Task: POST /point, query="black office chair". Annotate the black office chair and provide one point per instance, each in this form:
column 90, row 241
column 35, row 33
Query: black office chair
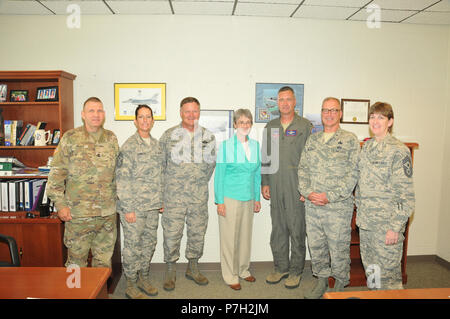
column 15, row 260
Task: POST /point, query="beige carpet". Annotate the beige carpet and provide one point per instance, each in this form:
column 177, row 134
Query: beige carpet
column 423, row 272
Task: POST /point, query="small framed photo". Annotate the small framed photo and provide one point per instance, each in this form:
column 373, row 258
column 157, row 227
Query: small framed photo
column 18, row 96
column 49, row 93
column 3, row 92
column 56, row 136
column 355, row 111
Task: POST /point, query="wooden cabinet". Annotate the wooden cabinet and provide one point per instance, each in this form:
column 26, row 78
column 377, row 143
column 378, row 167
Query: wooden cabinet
column 357, row 273
column 39, row 240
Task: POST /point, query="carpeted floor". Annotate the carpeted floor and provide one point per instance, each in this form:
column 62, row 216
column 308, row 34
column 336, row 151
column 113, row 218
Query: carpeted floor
column 422, row 273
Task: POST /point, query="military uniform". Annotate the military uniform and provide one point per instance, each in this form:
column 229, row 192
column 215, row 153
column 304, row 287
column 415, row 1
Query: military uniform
column 139, row 190
column 188, row 165
column 286, row 209
column 82, row 178
column 330, row 167
column 385, row 201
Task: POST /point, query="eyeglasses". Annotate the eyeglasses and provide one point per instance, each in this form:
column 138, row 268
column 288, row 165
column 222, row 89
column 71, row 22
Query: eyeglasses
column 244, row 123
column 332, row 111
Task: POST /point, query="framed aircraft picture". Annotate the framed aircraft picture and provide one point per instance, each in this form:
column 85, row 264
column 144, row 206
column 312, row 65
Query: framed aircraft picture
column 266, row 105
column 127, row 96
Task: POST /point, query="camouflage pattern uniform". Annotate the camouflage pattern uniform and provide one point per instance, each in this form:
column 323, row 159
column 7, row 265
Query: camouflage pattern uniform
column 330, row 168
column 288, row 236
column 139, row 190
column 188, row 166
column 82, row 178
column 385, row 201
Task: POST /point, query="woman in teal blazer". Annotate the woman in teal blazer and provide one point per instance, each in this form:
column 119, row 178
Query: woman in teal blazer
column 237, row 185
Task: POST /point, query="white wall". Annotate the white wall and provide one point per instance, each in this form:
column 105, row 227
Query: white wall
column 219, row 59
column 443, row 249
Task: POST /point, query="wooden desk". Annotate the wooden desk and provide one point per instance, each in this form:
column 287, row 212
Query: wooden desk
column 51, row 282
column 430, row 293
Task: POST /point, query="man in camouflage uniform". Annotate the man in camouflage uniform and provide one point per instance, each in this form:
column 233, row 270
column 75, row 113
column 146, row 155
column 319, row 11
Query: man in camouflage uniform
column 139, row 183
column 189, row 161
column 385, row 200
column 285, row 136
column 81, row 183
column 327, row 176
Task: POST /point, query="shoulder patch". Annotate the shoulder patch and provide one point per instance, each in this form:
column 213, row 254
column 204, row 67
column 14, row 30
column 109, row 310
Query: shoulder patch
column 407, row 166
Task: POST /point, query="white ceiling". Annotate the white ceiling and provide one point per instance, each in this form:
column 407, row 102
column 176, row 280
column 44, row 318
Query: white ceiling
column 392, row 11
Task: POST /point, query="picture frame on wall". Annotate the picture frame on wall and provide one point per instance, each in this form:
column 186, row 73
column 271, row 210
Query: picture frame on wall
column 18, row 96
column 219, row 122
column 266, row 96
column 47, row 94
column 127, row 96
column 355, row 111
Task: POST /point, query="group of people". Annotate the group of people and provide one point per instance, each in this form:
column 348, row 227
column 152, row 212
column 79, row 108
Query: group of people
column 308, row 178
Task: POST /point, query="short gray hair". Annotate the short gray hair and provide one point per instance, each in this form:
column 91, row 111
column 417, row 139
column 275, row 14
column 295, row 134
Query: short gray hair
column 242, row 112
column 330, row 98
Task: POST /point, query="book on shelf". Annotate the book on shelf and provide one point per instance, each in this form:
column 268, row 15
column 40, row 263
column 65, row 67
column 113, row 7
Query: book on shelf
column 28, row 136
column 23, row 195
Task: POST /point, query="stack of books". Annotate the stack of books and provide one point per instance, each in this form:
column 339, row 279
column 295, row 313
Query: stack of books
column 7, row 165
column 23, row 194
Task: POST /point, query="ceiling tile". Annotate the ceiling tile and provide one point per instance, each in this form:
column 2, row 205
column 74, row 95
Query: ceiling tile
column 425, row 17
column 293, row 2
column 202, row 7
column 86, row 7
column 404, row 4
column 337, row 3
column 22, row 7
column 443, row 6
column 385, row 15
column 264, row 9
column 340, row 13
column 140, row 7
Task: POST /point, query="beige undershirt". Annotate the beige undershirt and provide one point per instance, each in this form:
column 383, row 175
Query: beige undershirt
column 327, row 136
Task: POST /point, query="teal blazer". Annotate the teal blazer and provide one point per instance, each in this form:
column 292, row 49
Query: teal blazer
column 237, row 177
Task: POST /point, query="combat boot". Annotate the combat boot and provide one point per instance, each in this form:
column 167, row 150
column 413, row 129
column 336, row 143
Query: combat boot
column 133, row 291
column 170, row 277
column 194, row 274
column 293, row 281
column 144, row 284
column 275, row 277
column 319, row 289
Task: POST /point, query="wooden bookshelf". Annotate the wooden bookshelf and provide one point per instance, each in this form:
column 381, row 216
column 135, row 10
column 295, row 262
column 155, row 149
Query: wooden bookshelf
column 39, row 240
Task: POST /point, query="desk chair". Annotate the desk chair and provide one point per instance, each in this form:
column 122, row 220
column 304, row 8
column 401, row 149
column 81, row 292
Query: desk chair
column 12, row 250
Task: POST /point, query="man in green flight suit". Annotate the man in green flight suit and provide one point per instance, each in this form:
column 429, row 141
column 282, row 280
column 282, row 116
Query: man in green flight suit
column 283, row 142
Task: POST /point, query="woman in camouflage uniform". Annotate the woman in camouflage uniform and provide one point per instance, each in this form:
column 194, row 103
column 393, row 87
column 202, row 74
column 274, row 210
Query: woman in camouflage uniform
column 385, row 200
column 139, row 182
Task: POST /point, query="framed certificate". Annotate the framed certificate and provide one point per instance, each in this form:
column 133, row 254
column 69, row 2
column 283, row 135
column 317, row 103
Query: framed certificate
column 355, row 111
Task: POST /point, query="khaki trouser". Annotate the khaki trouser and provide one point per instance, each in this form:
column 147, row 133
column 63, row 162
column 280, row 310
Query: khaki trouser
column 97, row 234
column 236, row 239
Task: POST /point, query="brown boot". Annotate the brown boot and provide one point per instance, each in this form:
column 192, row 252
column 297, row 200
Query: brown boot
column 133, row 291
column 194, row 274
column 170, row 277
column 144, row 284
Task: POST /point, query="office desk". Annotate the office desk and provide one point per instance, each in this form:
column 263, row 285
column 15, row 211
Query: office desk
column 52, row 282
column 430, row 293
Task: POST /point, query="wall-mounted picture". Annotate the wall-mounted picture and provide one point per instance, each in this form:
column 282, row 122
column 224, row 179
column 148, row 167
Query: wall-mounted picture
column 355, row 111
column 266, row 106
column 219, row 122
column 3, row 92
column 127, row 96
column 49, row 93
column 56, row 136
column 18, row 96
